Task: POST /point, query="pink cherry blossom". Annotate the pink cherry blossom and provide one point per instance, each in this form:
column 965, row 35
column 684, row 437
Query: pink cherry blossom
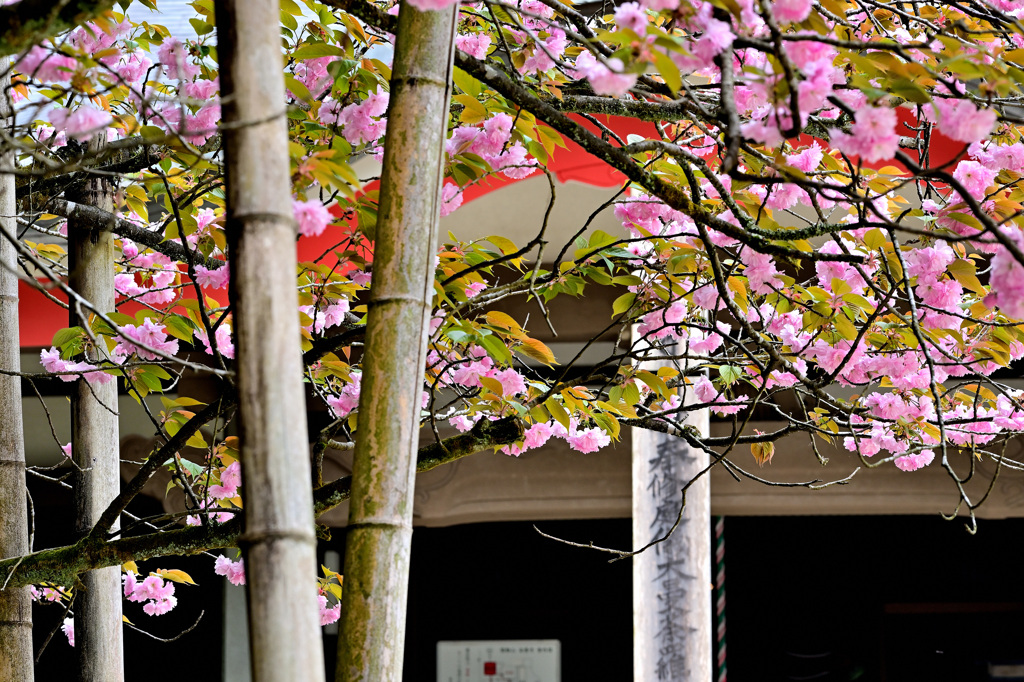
column 462, row 423
column 214, row 279
column 872, row 136
column 762, row 275
column 451, row 198
column 134, row 69
column 328, row 615
column 929, row 261
column 1007, row 282
column 658, row 5
column 806, row 52
column 513, row 162
column 202, row 89
column 348, row 400
column 222, row 335
column 512, row 382
column 230, row 479
column 717, row 36
column 215, row 517
column 68, row 627
column 915, row 461
column 475, row 45
column 194, row 128
column 314, row 75
column 961, row 120
column 91, row 38
column 537, row 435
column 473, row 289
column 606, row 80
column 44, row 65
column 975, row 178
column 234, row 571
column 588, row 440
column 630, row 15
column 157, row 594
column 52, row 362
column 791, row 10
column 176, row 61
column 82, row 123
column 706, row 392
column 361, row 121
column 312, row 217
column 151, row 333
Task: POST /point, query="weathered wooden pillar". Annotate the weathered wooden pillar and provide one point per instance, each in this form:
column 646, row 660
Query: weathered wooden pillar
column 15, row 603
column 379, row 536
column 672, row 580
column 95, row 442
column 279, row 540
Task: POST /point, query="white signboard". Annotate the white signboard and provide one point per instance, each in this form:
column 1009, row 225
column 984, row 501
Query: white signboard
column 513, row 660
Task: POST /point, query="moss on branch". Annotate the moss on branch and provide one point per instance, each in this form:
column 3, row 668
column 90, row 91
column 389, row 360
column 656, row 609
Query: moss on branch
column 61, row 565
column 31, row 21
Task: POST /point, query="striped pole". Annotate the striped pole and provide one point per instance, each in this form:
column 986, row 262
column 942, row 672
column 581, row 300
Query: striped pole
column 720, row 667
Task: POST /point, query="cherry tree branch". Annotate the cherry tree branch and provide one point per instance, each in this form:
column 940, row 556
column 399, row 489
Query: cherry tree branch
column 61, row 565
column 28, row 22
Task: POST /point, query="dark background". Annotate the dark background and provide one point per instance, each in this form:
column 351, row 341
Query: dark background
column 817, row 598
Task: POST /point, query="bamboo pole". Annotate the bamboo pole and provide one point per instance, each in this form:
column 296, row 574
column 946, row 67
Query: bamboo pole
column 279, row 542
column 15, row 603
column 95, row 443
column 379, row 534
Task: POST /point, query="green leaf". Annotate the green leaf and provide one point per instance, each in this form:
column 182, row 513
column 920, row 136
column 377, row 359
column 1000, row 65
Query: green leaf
column 467, row 83
column 729, row 374
column 497, row 349
column 179, row 327
column 623, row 303
column 197, row 441
column 845, row 327
column 66, row 335
column 298, row 89
column 315, row 51
column 558, row 412
column 191, row 467
column 963, row 271
column 200, row 26
column 609, row 423
column 668, row 70
column 655, row 383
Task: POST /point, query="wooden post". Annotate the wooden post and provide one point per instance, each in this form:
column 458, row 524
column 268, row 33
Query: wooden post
column 379, row 536
column 95, row 442
column 16, row 664
column 279, row 541
column 672, row 580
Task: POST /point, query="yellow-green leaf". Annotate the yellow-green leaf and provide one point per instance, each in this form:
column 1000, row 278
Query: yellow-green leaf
column 558, row 412
column 532, row 348
column 175, row 575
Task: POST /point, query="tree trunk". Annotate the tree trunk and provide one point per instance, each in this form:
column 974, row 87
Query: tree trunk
column 279, row 542
column 15, row 603
column 95, row 444
column 379, row 535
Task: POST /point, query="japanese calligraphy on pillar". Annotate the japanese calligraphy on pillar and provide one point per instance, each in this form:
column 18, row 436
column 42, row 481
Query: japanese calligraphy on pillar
column 672, row 580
